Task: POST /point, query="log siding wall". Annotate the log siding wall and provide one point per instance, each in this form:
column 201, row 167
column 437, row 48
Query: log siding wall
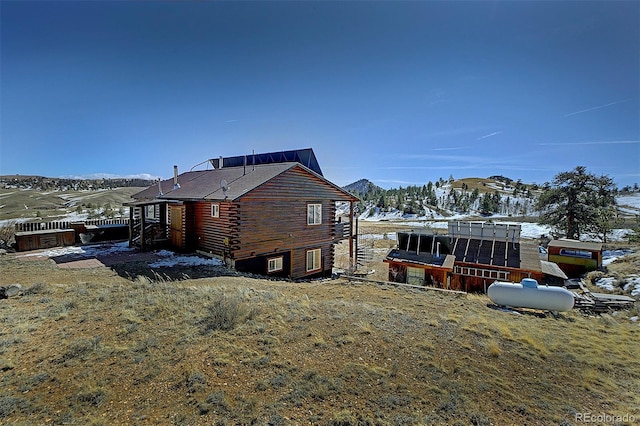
column 211, row 232
column 273, row 219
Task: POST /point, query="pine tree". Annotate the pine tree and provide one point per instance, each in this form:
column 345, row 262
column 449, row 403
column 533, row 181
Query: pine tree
column 576, row 201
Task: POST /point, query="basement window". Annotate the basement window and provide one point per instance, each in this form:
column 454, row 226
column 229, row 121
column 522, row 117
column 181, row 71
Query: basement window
column 314, row 260
column 275, row 264
column 215, row 210
column 314, row 214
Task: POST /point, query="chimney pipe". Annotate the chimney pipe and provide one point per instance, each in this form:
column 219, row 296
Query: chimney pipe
column 160, row 187
column 176, row 185
column 221, row 161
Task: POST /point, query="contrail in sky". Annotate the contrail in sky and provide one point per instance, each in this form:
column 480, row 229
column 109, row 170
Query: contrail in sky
column 488, row 136
column 597, row 107
column 589, row 143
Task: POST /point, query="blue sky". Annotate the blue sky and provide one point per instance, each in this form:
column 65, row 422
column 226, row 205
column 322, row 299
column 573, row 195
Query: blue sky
column 397, row 92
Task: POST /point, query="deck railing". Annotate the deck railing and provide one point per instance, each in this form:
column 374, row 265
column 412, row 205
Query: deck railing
column 41, row 226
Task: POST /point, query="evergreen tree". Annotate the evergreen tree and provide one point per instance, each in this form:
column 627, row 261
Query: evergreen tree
column 574, row 202
column 486, row 204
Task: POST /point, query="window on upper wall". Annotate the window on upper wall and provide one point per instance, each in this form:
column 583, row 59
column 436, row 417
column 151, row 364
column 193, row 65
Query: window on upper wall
column 275, row 264
column 314, row 260
column 314, row 214
column 215, row 210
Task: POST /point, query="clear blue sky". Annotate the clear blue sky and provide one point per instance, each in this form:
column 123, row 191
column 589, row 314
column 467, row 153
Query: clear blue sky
column 397, row 92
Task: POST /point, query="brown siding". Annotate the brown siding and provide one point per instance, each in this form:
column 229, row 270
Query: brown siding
column 480, row 284
column 434, row 276
column 44, row 239
column 211, row 232
column 273, row 218
column 299, row 261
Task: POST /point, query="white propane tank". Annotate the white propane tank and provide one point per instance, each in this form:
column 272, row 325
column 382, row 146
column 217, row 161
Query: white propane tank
column 528, row 294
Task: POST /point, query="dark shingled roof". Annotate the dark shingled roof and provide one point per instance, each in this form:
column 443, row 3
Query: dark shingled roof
column 207, row 184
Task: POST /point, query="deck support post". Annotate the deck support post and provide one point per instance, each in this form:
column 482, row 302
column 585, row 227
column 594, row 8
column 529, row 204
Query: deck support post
column 351, row 216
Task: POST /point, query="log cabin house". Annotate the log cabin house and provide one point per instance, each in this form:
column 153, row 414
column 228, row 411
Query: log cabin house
column 271, row 214
column 470, row 258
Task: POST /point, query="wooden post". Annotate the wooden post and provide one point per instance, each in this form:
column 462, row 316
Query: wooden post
column 163, row 219
column 351, row 215
column 356, row 262
column 143, row 215
column 131, row 208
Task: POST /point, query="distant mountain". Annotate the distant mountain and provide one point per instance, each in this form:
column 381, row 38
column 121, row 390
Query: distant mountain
column 362, row 187
column 72, row 183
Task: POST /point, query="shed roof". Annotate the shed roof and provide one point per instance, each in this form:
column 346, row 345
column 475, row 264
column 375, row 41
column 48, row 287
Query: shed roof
column 575, row 244
column 227, row 183
column 550, row 268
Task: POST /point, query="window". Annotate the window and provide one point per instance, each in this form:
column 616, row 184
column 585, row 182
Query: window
column 275, row 264
column 415, row 276
column 313, row 260
column 215, row 210
column 314, row 214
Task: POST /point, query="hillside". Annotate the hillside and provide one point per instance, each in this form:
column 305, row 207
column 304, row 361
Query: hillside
column 454, row 199
column 50, row 205
column 108, row 346
column 66, row 184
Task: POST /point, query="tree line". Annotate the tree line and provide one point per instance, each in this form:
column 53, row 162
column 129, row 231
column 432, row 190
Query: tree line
column 574, row 203
column 512, row 198
column 67, row 184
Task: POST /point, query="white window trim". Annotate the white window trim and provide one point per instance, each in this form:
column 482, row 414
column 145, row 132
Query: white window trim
column 278, row 263
column 314, row 214
column 215, row 210
column 313, row 267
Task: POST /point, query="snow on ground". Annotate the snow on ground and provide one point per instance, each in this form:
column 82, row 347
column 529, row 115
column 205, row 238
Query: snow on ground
column 606, row 283
column 631, row 282
column 629, row 200
column 633, row 285
column 609, row 256
column 171, row 259
column 84, row 251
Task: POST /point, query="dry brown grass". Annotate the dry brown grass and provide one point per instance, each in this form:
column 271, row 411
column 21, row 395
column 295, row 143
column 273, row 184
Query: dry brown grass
column 91, row 347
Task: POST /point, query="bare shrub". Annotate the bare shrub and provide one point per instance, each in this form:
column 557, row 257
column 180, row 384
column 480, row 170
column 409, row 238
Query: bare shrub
column 37, row 288
column 7, row 233
column 91, row 396
column 10, row 404
column 225, row 313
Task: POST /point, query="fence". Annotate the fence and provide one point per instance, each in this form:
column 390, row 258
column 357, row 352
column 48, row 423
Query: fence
column 42, row 226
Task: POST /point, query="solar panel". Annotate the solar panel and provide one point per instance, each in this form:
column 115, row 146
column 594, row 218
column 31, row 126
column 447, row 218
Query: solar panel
column 306, row 157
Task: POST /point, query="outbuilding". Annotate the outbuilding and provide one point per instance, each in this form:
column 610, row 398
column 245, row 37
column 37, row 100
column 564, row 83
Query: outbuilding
column 470, row 258
column 575, row 257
